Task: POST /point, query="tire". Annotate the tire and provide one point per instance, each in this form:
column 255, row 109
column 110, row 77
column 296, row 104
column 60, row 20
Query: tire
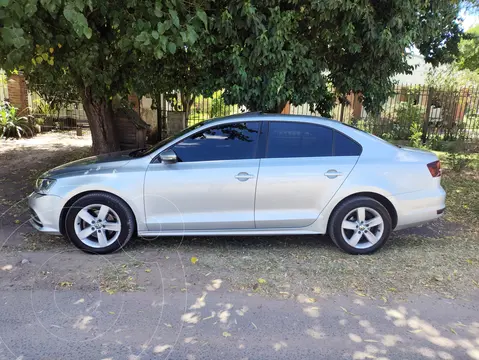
column 345, row 226
column 112, row 223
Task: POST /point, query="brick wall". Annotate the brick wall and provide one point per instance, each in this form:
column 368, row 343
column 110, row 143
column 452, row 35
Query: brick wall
column 17, row 92
column 135, row 102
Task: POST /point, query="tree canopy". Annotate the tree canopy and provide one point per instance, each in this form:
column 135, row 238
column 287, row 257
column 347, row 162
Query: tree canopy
column 469, row 50
column 262, row 53
column 271, row 52
column 94, row 46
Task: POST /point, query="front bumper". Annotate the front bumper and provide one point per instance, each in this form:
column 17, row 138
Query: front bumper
column 45, row 212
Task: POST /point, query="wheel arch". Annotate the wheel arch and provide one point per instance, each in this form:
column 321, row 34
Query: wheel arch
column 74, row 198
column 379, row 198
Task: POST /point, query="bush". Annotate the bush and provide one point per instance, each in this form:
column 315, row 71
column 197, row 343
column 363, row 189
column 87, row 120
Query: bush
column 12, row 125
column 458, row 162
column 219, row 108
column 435, row 142
column 409, row 119
column 415, row 139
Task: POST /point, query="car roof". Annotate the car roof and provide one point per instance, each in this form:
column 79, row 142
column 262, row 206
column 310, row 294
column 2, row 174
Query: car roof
column 260, row 116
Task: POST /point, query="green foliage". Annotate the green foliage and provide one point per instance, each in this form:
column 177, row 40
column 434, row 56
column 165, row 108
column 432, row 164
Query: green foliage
column 11, row 124
column 435, row 142
column 402, row 121
column 271, row 52
column 94, row 43
column 451, row 77
column 458, row 162
column 415, row 135
column 409, row 119
column 42, row 107
column 218, row 107
column 263, row 53
column 95, row 49
column 469, row 50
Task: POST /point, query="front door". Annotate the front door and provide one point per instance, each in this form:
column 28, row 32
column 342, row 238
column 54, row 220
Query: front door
column 304, row 165
column 211, row 187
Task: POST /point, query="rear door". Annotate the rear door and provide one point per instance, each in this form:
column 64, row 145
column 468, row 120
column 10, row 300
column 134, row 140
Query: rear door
column 304, row 165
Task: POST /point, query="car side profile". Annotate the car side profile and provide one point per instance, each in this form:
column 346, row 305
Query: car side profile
column 250, row 174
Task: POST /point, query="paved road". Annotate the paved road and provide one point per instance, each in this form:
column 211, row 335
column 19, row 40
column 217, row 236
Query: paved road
column 212, row 323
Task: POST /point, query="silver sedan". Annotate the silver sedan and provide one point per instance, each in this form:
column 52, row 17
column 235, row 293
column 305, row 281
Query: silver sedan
column 252, row 174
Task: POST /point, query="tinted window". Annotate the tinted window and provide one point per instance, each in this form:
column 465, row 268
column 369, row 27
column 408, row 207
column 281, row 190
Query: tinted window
column 292, row 139
column 344, row 146
column 222, row 142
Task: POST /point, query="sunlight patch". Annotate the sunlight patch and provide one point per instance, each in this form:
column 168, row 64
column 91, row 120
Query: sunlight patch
column 279, row 345
column 315, row 334
column 355, row 338
column 200, row 302
column 158, row 349
column 215, row 285
column 190, row 318
column 82, row 322
column 242, row 311
column 311, row 311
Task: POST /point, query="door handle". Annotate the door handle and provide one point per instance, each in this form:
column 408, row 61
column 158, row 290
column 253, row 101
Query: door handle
column 244, row 176
column 332, row 173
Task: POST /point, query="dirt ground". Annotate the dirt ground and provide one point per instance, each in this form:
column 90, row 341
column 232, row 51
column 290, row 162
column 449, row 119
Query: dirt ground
column 442, row 257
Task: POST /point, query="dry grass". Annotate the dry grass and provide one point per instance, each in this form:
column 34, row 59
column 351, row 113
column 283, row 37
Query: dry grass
column 121, row 278
column 441, row 257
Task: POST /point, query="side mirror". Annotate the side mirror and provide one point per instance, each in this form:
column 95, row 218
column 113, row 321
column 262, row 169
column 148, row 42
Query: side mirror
column 168, row 156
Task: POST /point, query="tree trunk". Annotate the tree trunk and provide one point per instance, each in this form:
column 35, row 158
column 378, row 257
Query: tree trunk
column 100, row 118
column 187, row 101
column 280, row 107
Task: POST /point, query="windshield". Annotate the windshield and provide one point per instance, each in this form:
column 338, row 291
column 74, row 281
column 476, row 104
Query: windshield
column 144, row 152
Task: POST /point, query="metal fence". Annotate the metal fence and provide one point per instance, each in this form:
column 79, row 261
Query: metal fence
column 68, row 117
column 437, row 113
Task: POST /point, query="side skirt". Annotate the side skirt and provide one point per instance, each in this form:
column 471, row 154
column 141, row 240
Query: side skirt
column 228, row 232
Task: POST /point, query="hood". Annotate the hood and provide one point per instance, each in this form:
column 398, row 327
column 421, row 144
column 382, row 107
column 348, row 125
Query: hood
column 92, row 164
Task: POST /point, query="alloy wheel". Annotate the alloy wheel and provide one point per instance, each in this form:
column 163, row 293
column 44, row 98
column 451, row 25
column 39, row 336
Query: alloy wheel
column 362, row 227
column 97, row 226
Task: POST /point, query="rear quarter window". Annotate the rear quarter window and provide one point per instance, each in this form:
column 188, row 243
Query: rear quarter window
column 345, row 146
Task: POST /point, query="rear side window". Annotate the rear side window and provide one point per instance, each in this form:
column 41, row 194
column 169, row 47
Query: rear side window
column 344, row 146
column 223, row 142
column 292, row 139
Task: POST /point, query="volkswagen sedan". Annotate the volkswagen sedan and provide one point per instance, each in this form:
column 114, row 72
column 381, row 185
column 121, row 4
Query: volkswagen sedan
column 251, row 174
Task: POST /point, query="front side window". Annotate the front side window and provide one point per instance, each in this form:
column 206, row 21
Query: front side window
column 293, row 139
column 223, row 142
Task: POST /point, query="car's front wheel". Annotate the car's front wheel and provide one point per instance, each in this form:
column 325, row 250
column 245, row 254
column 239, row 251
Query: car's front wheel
column 99, row 223
column 360, row 225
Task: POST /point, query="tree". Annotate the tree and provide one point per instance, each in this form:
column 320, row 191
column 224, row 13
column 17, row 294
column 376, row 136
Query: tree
column 184, row 74
column 450, row 77
column 270, row 52
column 469, row 51
column 94, row 47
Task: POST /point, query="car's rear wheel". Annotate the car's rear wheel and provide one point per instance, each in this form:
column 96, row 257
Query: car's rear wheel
column 99, row 223
column 360, row 225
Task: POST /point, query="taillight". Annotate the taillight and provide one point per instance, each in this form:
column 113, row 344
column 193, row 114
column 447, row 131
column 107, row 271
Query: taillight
column 435, row 168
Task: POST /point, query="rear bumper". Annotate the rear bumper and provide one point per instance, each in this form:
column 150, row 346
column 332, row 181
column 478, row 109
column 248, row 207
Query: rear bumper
column 419, row 207
column 45, row 212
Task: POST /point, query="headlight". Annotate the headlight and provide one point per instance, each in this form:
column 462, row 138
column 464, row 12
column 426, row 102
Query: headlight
column 42, row 185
